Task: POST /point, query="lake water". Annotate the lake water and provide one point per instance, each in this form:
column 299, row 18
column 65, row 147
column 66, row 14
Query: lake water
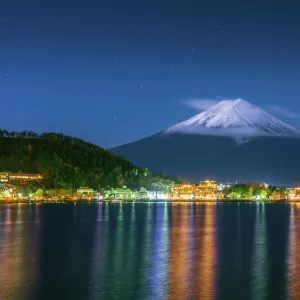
column 150, row 251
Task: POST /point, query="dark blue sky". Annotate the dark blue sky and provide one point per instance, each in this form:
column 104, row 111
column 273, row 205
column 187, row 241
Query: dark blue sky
column 112, row 72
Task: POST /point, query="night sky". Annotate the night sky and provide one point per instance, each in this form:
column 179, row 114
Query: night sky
column 111, row 72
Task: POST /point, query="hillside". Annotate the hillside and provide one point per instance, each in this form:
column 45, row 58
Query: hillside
column 68, row 162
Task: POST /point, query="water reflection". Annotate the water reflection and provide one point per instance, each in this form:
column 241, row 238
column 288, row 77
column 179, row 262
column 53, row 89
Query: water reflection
column 96, row 269
column 150, row 251
column 204, row 259
column 19, row 252
column 179, row 246
column 259, row 280
column 293, row 253
column 160, row 255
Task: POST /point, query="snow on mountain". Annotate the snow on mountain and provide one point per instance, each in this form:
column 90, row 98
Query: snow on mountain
column 235, row 118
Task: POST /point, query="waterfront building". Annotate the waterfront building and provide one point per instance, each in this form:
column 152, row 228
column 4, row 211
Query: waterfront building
column 8, row 177
column 83, row 192
column 141, row 194
column 157, row 195
column 183, row 191
column 207, row 190
column 122, row 193
column 6, row 191
column 294, row 193
column 98, row 196
column 277, row 195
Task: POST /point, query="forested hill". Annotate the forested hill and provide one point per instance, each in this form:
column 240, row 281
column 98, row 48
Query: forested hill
column 68, row 162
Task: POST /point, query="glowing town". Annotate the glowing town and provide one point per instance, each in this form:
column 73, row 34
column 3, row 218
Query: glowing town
column 14, row 187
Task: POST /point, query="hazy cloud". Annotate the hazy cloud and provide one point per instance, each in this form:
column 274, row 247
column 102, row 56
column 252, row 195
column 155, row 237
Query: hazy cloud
column 284, row 111
column 200, row 104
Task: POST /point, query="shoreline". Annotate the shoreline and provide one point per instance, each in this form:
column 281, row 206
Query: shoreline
column 66, row 201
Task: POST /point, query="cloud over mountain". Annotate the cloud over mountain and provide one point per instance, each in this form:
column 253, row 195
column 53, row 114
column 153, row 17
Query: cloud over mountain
column 284, row 111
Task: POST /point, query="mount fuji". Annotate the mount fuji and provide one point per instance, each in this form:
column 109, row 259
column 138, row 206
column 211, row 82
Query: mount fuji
column 232, row 140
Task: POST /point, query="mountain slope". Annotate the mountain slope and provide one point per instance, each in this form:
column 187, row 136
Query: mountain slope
column 270, row 153
column 68, row 162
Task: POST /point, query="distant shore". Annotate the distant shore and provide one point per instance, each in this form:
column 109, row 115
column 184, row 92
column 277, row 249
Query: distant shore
column 145, row 201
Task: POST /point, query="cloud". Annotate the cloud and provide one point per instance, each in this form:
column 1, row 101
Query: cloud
column 200, row 104
column 284, row 111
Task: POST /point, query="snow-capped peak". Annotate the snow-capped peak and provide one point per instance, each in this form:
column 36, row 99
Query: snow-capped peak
column 237, row 119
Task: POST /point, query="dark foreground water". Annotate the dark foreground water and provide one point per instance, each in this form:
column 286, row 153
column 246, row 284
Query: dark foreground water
column 150, row 251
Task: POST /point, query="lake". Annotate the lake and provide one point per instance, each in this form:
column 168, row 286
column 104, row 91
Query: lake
column 150, row 251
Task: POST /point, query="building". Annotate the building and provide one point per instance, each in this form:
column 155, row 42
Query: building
column 183, row 191
column 141, row 194
column 8, row 177
column 98, row 196
column 122, row 193
column 294, row 193
column 3, row 177
column 221, row 187
column 207, row 190
column 277, row 195
column 85, row 192
column 158, row 195
column 6, row 191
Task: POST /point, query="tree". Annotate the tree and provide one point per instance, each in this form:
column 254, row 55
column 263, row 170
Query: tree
column 263, row 194
column 39, row 193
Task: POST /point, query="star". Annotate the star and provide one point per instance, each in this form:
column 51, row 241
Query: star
column 142, row 85
column 115, row 118
column 2, row 19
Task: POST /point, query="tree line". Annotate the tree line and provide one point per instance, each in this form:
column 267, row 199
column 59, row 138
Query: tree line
column 68, row 162
column 254, row 191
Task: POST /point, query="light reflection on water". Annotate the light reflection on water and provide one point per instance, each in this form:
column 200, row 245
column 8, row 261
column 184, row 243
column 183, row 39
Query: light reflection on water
column 293, row 257
column 259, row 275
column 150, row 251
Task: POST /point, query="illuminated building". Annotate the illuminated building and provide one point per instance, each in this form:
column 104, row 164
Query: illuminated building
column 207, row 190
column 142, row 194
column 158, row 195
column 264, row 185
column 85, row 191
column 98, row 196
column 276, row 196
column 183, row 191
column 294, row 193
column 118, row 193
column 4, row 177
column 221, row 186
column 6, row 191
column 7, row 177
